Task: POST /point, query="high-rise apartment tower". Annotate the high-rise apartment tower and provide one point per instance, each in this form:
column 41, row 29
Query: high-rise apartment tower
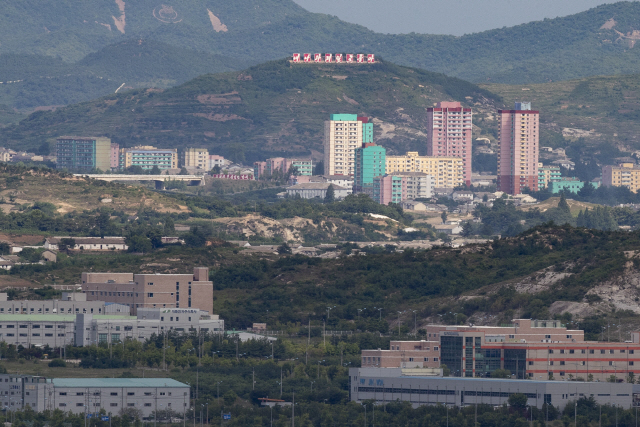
column 519, row 149
column 449, row 128
column 343, row 133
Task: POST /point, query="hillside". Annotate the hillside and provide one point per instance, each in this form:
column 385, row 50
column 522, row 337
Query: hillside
column 599, row 41
column 274, row 108
column 595, row 116
column 42, row 81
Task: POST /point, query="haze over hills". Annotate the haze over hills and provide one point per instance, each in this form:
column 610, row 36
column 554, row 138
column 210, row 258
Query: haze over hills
column 270, row 109
column 599, row 41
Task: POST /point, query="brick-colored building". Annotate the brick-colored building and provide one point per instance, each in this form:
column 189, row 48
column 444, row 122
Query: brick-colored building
column 537, row 349
column 449, row 133
column 151, row 290
column 389, row 189
column 519, row 149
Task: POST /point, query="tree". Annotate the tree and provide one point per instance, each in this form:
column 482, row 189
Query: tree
column 135, row 170
column 330, row 196
column 155, row 170
column 518, row 401
column 467, row 229
column 216, row 170
column 230, row 397
column 140, row 244
column 284, row 249
column 501, row 373
column 183, row 171
column 66, row 244
column 169, row 226
column 444, row 217
column 318, row 169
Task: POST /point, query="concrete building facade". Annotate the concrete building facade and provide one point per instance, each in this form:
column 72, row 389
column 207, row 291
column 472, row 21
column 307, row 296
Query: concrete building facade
column 572, row 185
column 535, row 349
column 419, row 185
column 389, row 385
column 447, row 172
column 389, row 189
column 547, row 174
column 151, row 290
column 519, row 149
column 88, row 243
column 622, row 175
column 316, row 190
column 269, row 166
column 343, row 134
column 147, row 157
column 197, row 158
column 370, row 162
column 114, row 155
column 83, row 153
column 449, row 133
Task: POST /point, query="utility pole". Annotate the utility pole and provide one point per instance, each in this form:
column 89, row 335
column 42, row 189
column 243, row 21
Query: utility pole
column 293, row 411
column 253, row 378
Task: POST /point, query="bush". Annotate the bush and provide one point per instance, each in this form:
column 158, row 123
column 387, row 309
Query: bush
column 57, row 363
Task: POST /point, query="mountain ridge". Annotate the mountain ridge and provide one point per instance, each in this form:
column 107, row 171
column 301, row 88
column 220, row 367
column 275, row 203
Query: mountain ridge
column 601, row 40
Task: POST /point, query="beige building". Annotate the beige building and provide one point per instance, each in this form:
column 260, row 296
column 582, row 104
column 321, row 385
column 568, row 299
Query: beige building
column 147, row 157
column 623, row 175
column 151, row 290
column 446, row 171
column 197, row 158
column 342, row 135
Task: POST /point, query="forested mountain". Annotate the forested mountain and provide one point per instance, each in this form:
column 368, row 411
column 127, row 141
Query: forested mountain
column 31, row 81
column 271, row 109
column 599, row 41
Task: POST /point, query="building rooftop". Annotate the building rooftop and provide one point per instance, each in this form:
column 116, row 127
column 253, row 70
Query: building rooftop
column 315, row 186
column 116, row 382
column 87, row 240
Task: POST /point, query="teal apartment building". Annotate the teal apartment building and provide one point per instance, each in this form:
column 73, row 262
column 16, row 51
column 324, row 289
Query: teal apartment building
column 370, row 162
column 83, row 153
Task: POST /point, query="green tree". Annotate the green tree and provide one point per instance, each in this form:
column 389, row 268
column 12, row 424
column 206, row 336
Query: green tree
column 140, row 244
column 467, row 229
column 284, row 249
column 518, row 401
column 66, row 244
column 155, row 170
column 444, row 217
column 330, row 196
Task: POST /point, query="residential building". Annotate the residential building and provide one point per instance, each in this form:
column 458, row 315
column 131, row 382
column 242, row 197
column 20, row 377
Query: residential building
column 536, row 349
column 622, row 175
column 269, row 167
column 197, row 158
column 450, row 229
column 548, row 174
column 343, row 134
column 419, row 185
column 343, row 181
column 114, row 155
column 447, row 172
column 215, row 160
column 389, row 189
column 426, row 387
column 571, row 185
column 147, row 157
column 317, row 190
column 519, row 149
column 462, row 196
column 370, row 162
column 83, row 153
column 151, row 290
column 89, row 243
column 449, row 133
column 411, row 205
column 6, row 155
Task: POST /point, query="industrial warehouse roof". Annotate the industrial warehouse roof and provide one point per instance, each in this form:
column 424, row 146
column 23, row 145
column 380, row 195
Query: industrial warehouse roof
column 116, row 382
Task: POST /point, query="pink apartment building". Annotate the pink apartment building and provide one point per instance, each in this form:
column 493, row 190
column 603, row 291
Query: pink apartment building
column 114, row 157
column 449, row 133
column 519, row 149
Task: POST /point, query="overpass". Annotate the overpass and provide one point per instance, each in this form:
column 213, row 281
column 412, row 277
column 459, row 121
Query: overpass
column 160, row 180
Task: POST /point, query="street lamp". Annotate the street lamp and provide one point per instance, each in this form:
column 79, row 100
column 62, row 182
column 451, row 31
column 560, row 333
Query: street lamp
column 415, row 322
column 218, row 390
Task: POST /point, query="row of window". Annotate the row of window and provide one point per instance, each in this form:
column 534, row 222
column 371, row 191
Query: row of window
column 592, row 351
column 26, row 326
column 26, row 335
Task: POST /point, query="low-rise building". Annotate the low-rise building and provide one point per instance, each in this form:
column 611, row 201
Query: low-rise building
column 147, row 157
column 462, row 196
column 316, row 190
column 283, row 165
column 113, row 243
column 419, row 185
column 548, row 174
column 424, row 387
column 571, row 185
column 412, row 205
column 450, row 229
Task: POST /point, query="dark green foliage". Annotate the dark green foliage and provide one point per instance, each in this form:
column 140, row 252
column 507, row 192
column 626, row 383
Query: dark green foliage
column 598, row 218
column 57, row 363
column 330, row 196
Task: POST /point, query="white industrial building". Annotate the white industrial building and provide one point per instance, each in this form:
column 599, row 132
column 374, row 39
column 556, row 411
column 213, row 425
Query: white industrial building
column 92, row 395
column 384, row 385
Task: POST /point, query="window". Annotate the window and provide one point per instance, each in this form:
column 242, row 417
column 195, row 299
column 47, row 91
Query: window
column 131, row 404
column 601, row 351
column 591, row 351
column 114, row 393
column 551, row 363
column 561, row 362
column 63, row 393
column 150, row 294
column 571, row 351
column 79, row 393
column 131, row 393
column 550, row 351
column 62, row 404
column 631, row 363
column 610, row 351
column 147, row 393
column 569, row 336
column 562, row 351
column 113, row 404
column 147, row 404
column 79, row 404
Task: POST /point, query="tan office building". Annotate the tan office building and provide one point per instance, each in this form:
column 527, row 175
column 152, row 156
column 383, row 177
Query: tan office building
column 623, row 175
column 197, row 158
column 151, row 290
column 446, row 171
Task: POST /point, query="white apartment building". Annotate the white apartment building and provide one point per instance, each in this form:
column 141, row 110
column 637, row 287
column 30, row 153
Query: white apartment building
column 342, row 135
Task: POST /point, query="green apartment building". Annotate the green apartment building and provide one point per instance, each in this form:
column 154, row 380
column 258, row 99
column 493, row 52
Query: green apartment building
column 572, row 185
column 370, row 162
column 83, row 153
